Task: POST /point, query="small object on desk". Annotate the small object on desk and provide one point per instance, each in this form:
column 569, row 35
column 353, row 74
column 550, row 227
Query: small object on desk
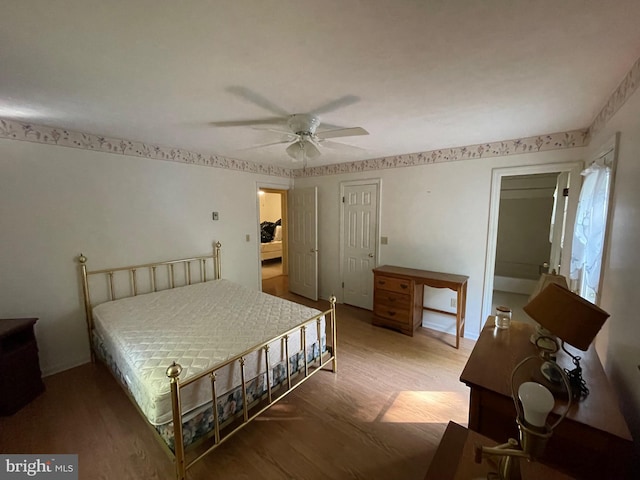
column 20, row 376
column 503, row 316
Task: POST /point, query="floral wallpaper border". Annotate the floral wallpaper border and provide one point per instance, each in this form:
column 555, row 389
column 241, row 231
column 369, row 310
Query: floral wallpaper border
column 540, row 143
column 15, row 130
column 627, row 87
column 68, row 138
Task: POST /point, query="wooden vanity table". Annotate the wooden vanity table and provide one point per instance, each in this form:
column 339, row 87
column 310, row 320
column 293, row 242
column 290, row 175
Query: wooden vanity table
column 398, row 297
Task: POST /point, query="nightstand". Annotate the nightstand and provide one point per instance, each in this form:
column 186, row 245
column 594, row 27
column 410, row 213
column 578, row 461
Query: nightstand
column 20, row 376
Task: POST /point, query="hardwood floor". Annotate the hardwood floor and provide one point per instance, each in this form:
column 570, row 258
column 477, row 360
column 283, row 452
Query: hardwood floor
column 380, row 417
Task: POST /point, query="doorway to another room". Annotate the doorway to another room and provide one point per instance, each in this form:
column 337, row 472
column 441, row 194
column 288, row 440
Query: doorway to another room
column 528, row 244
column 530, row 229
column 273, row 240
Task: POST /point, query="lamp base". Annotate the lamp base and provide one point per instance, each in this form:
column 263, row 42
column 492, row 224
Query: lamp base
column 551, row 373
column 579, row 390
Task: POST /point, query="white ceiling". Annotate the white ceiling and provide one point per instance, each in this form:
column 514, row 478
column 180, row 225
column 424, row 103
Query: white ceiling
column 425, row 74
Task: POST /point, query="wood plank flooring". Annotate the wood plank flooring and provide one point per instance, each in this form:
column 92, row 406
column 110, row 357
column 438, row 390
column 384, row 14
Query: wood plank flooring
column 380, row 417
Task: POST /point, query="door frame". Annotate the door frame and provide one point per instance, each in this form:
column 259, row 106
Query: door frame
column 283, row 190
column 349, row 183
column 575, row 181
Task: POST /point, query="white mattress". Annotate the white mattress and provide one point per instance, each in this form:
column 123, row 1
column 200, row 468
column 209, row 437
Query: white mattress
column 275, row 246
column 198, row 326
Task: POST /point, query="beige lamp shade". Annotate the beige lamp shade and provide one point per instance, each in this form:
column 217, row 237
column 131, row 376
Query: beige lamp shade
column 567, row 315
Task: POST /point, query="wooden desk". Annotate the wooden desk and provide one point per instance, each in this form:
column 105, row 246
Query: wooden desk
column 454, row 459
column 398, row 297
column 592, row 442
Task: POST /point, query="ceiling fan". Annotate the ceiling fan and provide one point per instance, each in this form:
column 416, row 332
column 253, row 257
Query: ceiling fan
column 303, row 136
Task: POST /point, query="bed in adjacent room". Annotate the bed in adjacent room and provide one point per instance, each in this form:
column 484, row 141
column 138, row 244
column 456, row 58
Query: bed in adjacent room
column 271, row 241
column 176, row 349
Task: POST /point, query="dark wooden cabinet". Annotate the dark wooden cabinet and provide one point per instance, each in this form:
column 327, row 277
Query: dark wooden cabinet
column 20, row 376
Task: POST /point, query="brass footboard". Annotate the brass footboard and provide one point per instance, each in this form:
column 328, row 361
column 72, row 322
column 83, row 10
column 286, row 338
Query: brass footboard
column 318, row 363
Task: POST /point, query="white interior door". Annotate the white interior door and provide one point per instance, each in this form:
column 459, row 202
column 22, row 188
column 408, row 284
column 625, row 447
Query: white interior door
column 303, row 242
column 359, row 243
column 558, row 224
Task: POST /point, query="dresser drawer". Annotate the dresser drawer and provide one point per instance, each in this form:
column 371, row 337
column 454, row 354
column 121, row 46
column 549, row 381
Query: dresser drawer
column 392, row 299
column 392, row 284
column 400, row 315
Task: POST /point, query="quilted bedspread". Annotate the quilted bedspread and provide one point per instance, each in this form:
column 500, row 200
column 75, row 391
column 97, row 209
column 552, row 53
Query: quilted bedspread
column 198, row 326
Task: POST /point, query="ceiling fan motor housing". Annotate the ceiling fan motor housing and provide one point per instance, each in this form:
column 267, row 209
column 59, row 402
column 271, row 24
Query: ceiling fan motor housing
column 303, row 124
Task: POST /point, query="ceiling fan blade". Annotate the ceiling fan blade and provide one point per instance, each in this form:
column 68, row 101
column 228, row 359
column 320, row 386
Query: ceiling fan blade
column 248, row 123
column 335, row 104
column 282, row 132
column 257, row 99
column 281, row 142
column 339, row 146
column 342, row 132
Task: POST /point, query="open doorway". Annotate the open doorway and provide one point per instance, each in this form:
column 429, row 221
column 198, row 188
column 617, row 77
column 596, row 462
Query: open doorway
column 530, row 241
column 273, row 239
column 519, row 249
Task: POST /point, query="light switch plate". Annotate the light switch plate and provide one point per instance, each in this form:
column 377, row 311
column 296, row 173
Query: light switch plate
column 214, row 215
column 384, row 240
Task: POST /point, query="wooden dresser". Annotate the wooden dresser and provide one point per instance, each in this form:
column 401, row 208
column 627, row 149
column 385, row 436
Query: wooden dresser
column 397, row 300
column 398, row 297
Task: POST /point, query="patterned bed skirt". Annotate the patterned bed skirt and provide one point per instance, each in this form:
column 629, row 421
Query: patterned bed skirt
column 229, row 404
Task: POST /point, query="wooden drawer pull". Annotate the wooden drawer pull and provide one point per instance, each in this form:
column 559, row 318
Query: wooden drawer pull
column 404, row 285
column 381, row 282
column 391, row 299
column 391, row 313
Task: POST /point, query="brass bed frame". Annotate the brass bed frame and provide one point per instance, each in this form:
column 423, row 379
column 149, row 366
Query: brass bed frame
column 249, row 412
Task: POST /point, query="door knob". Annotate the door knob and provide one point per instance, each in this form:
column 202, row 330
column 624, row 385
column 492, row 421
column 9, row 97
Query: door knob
column 314, row 250
column 371, row 255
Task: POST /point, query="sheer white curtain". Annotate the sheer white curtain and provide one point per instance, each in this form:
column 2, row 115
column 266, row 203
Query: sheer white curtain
column 589, row 231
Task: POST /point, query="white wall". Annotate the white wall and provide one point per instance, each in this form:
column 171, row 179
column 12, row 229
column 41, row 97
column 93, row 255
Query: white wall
column 523, row 236
column 270, row 207
column 56, row 202
column 435, row 217
column 619, row 342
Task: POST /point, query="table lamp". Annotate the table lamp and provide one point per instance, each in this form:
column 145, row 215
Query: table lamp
column 533, row 403
column 573, row 320
column 545, row 279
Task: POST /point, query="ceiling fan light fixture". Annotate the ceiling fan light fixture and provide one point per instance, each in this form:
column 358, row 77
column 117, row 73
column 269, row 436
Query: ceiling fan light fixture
column 303, row 150
column 296, row 151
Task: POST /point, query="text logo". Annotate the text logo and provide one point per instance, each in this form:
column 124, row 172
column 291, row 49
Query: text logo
column 50, row 467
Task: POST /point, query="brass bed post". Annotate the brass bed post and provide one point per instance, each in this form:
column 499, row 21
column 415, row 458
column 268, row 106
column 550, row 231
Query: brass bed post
column 216, row 415
column 216, row 258
column 303, row 331
column 87, row 303
column 173, row 372
column 334, row 326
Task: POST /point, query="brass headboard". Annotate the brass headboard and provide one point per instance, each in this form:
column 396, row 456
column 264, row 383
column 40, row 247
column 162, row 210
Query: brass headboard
column 151, row 269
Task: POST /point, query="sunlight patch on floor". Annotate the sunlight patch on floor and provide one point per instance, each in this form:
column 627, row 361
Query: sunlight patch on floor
column 427, row 407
